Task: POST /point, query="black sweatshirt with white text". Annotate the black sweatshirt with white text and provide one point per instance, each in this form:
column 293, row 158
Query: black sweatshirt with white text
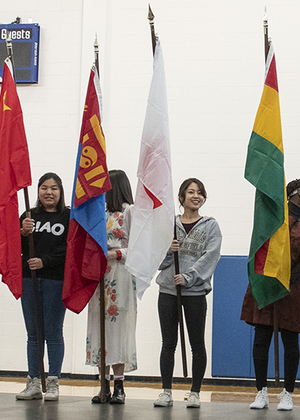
column 50, row 231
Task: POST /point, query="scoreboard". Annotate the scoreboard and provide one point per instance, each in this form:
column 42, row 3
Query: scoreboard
column 25, row 40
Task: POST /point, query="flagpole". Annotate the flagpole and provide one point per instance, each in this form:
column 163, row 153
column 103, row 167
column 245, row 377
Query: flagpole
column 266, row 36
column 101, row 286
column 31, row 252
column 275, row 305
column 96, row 52
column 180, row 318
column 35, row 297
column 176, row 260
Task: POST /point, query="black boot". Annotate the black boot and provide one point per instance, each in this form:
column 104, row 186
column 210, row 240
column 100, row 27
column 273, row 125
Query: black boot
column 119, row 394
column 97, row 398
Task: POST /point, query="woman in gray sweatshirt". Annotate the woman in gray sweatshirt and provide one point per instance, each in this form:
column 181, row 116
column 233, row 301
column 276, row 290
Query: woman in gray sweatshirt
column 198, row 246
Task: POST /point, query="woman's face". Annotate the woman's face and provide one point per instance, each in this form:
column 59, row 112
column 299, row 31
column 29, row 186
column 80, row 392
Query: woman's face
column 49, row 194
column 193, row 198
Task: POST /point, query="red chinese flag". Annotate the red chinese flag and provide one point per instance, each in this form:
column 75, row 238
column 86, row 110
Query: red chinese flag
column 14, row 174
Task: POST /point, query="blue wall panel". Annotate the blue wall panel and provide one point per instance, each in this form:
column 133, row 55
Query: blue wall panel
column 232, row 339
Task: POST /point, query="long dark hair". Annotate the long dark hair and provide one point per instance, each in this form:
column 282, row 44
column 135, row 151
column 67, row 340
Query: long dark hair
column 61, row 205
column 120, row 192
column 185, row 185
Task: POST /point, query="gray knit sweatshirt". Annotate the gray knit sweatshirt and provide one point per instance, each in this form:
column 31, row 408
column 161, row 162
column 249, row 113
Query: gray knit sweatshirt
column 199, row 253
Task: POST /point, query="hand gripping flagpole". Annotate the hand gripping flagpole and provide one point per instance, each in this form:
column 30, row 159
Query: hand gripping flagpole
column 40, row 344
column 102, row 299
column 275, row 304
column 176, row 260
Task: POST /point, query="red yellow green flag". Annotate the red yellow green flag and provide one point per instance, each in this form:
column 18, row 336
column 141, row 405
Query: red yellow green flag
column 269, row 262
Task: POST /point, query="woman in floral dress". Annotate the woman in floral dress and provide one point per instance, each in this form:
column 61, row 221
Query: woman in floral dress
column 120, row 296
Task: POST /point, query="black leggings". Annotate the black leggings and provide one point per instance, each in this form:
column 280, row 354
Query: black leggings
column 195, row 314
column 261, row 345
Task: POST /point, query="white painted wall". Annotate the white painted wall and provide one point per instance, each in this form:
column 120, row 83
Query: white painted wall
column 214, row 63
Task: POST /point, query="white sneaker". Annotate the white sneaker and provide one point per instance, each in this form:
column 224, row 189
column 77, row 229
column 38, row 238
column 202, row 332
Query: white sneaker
column 261, row 399
column 52, row 392
column 164, row 400
column 193, row 400
column 286, row 402
column 33, row 390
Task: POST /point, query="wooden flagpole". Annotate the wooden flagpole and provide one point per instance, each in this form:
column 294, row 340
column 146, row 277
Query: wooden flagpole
column 176, row 260
column 40, row 343
column 275, row 305
column 102, row 299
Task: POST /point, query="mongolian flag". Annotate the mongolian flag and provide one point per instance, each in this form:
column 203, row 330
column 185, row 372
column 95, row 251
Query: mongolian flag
column 87, row 238
column 269, row 262
column 14, row 174
column 152, row 226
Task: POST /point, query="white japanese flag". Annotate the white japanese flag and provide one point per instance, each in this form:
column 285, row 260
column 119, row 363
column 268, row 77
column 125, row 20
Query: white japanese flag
column 152, row 226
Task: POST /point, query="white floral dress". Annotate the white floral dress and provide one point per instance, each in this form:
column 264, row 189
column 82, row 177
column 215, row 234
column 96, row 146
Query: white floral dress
column 120, row 302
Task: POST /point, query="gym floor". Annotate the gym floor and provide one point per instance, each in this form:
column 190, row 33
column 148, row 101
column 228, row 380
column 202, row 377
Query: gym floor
column 217, row 402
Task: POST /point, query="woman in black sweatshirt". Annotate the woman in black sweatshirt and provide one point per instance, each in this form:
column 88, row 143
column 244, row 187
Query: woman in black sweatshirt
column 49, row 226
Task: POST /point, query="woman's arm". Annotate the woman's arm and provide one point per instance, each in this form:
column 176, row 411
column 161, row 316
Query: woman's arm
column 169, row 258
column 121, row 253
column 204, row 267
